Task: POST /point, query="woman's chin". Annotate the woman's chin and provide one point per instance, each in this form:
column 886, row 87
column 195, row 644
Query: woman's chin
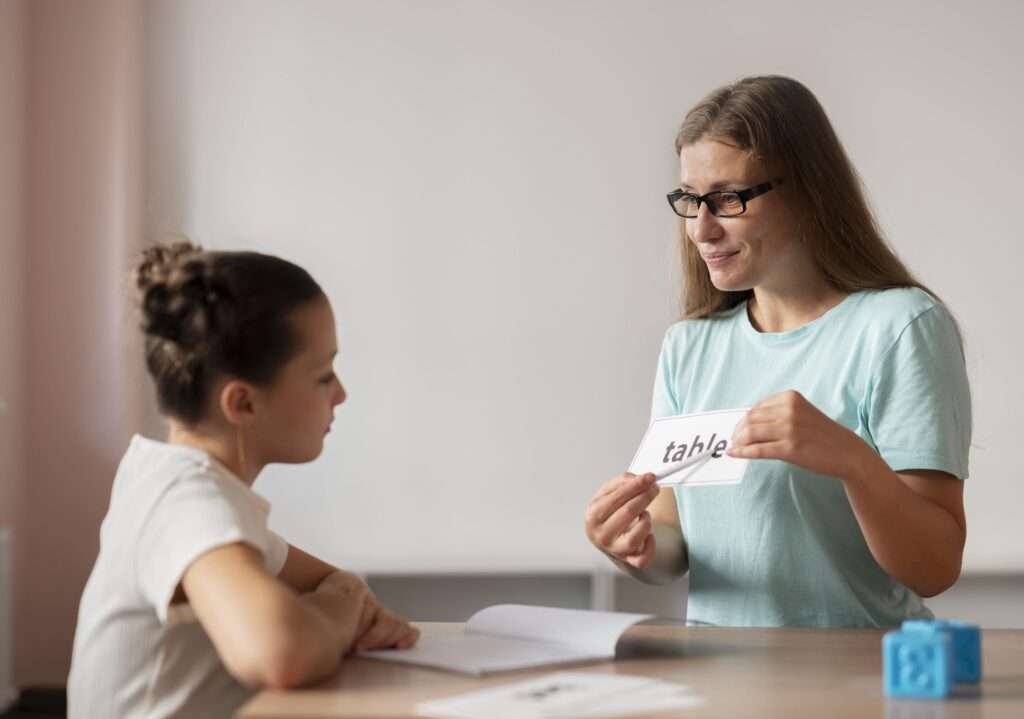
column 727, row 283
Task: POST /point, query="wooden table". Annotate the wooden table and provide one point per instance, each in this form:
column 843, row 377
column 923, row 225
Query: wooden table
column 830, row 673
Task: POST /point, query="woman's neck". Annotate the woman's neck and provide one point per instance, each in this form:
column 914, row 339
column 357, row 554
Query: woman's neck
column 792, row 308
column 224, row 446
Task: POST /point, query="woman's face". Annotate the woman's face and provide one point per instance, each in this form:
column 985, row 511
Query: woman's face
column 298, row 408
column 761, row 247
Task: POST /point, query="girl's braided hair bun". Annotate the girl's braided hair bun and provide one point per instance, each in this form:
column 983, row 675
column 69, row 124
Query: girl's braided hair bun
column 197, row 327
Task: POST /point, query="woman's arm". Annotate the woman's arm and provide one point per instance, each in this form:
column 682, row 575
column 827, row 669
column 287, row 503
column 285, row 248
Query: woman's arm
column 913, row 521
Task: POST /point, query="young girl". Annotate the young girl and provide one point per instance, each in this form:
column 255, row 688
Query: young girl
column 193, row 602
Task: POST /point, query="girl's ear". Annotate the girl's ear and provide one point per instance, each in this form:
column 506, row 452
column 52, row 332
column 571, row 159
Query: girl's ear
column 237, row 402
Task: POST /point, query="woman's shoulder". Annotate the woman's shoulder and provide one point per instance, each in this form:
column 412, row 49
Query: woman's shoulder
column 899, row 300
column 896, row 308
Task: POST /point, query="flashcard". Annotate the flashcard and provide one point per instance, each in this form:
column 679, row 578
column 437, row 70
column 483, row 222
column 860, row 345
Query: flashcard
column 678, row 443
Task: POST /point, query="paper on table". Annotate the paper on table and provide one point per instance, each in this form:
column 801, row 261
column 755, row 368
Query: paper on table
column 669, row 440
column 514, row 636
column 565, row 694
column 597, row 632
column 650, row 698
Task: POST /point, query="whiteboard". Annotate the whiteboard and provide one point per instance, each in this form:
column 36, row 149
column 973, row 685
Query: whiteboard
column 479, row 187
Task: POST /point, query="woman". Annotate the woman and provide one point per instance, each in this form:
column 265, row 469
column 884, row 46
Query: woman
column 860, row 418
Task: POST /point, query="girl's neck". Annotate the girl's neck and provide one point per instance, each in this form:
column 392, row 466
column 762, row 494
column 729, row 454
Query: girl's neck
column 224, row 446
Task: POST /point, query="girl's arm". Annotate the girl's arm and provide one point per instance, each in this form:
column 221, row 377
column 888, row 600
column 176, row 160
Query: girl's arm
column 264, row 632
column 302, row 571
column 379, row 627
column 913, row 521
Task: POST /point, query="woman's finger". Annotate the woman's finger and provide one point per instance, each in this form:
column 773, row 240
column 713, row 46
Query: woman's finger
column 632, row 540
column 760, row 432
column 624, row 517
column 778, row 449
column 641, row 560
column 604, row 506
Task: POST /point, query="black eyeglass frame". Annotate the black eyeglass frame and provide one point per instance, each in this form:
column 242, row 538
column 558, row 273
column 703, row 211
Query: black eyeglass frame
column 708, row 197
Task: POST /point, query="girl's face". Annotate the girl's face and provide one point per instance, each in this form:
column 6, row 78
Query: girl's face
column 295, row 412
column 761, row 247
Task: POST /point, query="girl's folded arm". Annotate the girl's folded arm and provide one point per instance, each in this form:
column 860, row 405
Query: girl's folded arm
column 302, row 571
column 265, row 633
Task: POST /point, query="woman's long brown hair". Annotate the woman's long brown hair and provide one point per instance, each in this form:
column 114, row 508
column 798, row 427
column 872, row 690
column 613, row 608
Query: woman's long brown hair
column 780, row 122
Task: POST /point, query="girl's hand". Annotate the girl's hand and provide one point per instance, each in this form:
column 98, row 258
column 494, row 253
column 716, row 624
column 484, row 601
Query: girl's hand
column 365, row 622
column 617, row 520
column 380, row 628
column 789, row 428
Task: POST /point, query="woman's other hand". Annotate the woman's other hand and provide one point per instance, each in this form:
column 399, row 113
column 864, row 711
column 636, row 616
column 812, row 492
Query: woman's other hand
column 617, row 520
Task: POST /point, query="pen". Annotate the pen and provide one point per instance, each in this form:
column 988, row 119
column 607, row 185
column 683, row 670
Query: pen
column 665, row 476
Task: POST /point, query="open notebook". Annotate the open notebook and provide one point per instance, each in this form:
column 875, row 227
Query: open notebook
column 516, row 636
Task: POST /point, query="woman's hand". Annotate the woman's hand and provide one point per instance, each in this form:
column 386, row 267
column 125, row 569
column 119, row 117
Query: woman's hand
column 788, row 427
column 617, row 520
column 912, row 520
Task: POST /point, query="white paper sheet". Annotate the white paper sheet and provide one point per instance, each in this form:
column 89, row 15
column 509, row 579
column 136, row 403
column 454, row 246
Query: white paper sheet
column 566, row 694
column 506, row 637
column 671, row 439
column 595, row 632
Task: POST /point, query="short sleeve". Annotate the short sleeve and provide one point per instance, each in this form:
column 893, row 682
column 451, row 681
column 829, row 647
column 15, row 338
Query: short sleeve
column 919, row 402
column 198, row 513
column 663, row 401
column 276, row 553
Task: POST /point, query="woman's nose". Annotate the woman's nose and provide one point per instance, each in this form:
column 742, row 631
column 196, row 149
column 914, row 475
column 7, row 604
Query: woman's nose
column 340, row 395
column 705, row 227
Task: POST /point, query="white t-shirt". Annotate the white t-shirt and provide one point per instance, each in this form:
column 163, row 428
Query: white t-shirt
column 134, row 654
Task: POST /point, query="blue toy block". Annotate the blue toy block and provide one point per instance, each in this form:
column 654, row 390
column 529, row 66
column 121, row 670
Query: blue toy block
column 918, row 663
column 966, row 640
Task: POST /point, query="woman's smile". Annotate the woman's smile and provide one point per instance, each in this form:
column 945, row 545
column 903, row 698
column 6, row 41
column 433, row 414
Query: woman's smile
column 718, row 258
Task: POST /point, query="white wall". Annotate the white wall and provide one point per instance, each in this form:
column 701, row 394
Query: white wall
column 480, row 188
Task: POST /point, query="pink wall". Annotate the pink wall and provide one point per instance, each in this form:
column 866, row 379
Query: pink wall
column 12, row 252
column 82, row 172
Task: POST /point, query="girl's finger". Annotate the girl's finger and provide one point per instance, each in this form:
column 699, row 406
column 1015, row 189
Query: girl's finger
column 381, row 628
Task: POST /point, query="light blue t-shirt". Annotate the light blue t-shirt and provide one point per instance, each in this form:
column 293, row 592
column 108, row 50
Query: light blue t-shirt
column 783, row 547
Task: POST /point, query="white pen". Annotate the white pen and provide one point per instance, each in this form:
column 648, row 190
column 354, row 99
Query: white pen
column 665, row 475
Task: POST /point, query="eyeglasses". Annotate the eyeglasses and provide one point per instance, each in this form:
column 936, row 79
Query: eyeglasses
column 721, row 203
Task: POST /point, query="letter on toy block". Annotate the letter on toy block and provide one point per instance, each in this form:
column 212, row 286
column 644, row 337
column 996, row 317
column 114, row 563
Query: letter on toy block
column 917, row 664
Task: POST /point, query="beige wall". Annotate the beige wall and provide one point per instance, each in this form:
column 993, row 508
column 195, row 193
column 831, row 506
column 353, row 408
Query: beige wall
column 81, row 190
